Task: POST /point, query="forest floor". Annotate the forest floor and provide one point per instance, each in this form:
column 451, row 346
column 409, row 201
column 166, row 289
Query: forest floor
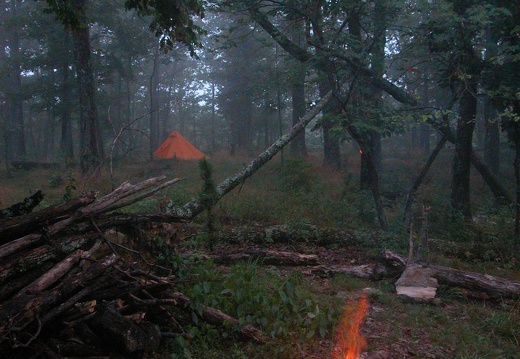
column 303, row 196
column 458, row 326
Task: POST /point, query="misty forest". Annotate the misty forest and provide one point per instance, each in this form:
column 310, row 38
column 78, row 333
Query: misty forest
column 260, row 179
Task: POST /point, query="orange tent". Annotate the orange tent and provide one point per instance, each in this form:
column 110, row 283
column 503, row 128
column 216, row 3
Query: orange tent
column 177, row 146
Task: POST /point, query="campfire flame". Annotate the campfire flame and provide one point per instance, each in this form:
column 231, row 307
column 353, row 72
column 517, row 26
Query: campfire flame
column 349, row 342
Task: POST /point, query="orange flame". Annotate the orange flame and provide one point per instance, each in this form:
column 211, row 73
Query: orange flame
column 349, row 342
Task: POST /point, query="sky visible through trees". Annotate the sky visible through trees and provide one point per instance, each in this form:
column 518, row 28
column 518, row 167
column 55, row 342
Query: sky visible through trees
column 82, row 81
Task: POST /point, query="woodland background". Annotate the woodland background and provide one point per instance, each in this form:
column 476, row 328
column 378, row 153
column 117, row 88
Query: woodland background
column 418, row 134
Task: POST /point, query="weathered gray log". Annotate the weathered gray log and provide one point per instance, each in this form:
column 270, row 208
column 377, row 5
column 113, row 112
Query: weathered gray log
column 495, row 287
column 193, row 208
column 85, row 206
column 267, row 257
column 374, row 271
column 30, row 259
column 122, row 196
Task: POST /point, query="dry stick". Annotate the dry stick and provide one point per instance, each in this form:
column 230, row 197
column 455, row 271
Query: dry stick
column 121, row 131
column 415, row 186
column 409, row 260
column 193, row 208
column 124, row 195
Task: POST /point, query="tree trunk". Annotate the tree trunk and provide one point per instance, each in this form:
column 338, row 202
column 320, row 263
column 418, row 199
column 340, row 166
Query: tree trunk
column 297, row 147
column 66, row 143
column 385, row 85
column 15, row 134
column 268, row 257
column 154, row 104
column 89, row 145
column 492, row 138
column 460, row 194
column 193, row 208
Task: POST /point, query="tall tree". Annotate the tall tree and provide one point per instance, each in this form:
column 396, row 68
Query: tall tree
column 15, row 130
column 89, row 127
column 170, row 21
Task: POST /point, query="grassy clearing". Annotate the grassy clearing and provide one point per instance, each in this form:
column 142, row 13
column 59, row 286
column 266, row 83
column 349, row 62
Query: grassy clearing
column 297, row 311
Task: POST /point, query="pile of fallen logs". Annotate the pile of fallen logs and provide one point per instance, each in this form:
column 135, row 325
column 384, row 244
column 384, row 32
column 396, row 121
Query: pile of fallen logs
column 67, row 289
column 74, row 284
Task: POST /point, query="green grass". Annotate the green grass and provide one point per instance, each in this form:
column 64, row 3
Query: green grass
column 297, row 312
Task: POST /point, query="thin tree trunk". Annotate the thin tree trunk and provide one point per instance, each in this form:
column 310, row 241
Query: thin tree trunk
column 298, row 148
column 154, row 103
column 418, row 181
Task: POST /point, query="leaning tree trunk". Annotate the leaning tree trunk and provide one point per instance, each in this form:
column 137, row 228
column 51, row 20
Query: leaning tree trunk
column 194, row 207
column 415, row 186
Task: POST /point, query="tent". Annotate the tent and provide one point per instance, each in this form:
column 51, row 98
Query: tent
column 178, row 147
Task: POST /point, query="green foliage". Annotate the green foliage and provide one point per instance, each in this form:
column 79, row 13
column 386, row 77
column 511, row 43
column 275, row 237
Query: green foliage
column 281, row 307
column 71, row 185
column 295, row 175
column 170, row 21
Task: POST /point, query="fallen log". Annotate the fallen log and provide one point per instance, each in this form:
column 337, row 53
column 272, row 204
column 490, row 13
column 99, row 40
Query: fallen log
column 392, row 265
column 267, row 257
column 28, row 306
column 30, row 165
column 209, row 315
column 495, row 287
column 24, row 207
column 388, row 265
column 14, row 228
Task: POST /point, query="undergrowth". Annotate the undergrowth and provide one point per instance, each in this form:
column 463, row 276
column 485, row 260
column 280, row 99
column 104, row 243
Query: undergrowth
column 281, row 305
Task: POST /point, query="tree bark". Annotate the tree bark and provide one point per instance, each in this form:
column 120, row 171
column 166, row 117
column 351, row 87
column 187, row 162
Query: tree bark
column 66, row 144
column 154, row 104
column 15, row 134
column 460, row 193
column 89, row 141
column 298, row 148
column 193, row 208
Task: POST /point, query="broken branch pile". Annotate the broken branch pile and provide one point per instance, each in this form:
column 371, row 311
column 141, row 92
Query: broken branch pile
column 67, row 290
